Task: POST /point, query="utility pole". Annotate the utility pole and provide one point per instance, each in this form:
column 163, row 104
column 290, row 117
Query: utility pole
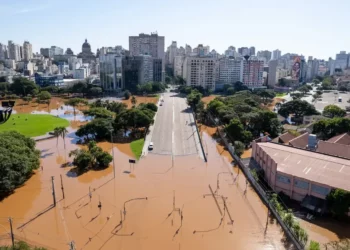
column 62, row 186
column 112, row 151
column 12, row 236
column 53, row 191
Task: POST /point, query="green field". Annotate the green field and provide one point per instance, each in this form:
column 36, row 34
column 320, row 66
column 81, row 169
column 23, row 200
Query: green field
column 280, row 94
column 136, row 147
column 33, row 125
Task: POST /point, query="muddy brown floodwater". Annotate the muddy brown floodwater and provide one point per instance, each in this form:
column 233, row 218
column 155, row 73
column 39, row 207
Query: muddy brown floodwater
column 161, row 202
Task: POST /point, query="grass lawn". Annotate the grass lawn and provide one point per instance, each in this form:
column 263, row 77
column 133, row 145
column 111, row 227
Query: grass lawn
column 136, row 147
column 35, row 125
column 280, row 94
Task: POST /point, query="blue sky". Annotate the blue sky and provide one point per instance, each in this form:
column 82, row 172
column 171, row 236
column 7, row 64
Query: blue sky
column 308, row 27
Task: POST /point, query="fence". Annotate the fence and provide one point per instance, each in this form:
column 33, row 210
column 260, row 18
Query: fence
column 262, row 194
column 199, row 137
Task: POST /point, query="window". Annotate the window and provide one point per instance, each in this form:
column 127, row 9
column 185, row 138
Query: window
column 283, row 179
column 301, row 184
column 319, row 190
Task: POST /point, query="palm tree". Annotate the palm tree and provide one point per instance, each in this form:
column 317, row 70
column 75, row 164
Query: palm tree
column 56, row 133
column 61, row 131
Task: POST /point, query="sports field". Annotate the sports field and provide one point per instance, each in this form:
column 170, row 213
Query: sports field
column 32, row 124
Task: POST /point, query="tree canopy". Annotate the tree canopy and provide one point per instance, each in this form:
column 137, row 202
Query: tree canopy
column 327, row 128
column 99, row 113
column 333, row 111
column 297, row 107
column 194, row 98
column 18, row 159
column 22, row 86
column 75, row 102
column 43, row 96
column 338, row 202
column 98, row 129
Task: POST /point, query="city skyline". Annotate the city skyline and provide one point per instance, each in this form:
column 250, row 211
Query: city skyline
column 69, row 26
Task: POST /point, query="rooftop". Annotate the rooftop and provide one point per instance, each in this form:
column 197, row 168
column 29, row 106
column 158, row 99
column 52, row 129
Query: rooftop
column 336, row 149
column 309, row 165
column 341, row 139
column 300, row 142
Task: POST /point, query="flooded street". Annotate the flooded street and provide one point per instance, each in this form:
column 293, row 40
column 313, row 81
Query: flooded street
column 163, row 189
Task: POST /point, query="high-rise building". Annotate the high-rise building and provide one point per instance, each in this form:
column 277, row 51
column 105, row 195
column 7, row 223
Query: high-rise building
column 230, row 51
column 331, row 66
column 56, row 51
column 243, row 51
column 188, row 50
column 46, row 52
column 276, row 54
column 27, row 51
column 252, row 51
column 172, row 52
column 272, row 77
column 157, row 70
column 178, row 65
column 200, row 71
column 137, row 70
column 3, row 51
column 253, row 70
column 86, row 55
column 341, row 60
column 181, row 51
column 14, row 51
column 264, row 55
column 230, row 70
column 145, row 44
column 111, row 72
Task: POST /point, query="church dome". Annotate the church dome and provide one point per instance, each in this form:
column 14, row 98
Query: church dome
column 86, row 45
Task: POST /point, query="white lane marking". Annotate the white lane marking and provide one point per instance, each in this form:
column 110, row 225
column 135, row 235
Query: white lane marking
column 308, row 171
column 341, row 168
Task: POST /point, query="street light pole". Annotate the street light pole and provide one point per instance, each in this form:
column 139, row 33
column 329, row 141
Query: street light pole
column 112, row 152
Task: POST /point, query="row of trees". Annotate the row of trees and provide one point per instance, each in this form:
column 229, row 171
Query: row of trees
column 18, row 159
column 150, row 87
column 23, row 87
column 114, row 116
column 242, row 115
column 327, row 128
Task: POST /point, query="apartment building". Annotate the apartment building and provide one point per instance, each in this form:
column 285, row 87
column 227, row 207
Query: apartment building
column 27, row 51
column 230, row 70
column 200, row 71
column 253, row 70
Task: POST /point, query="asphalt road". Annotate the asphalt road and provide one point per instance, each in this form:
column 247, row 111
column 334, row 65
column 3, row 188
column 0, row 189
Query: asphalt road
column 174, row 131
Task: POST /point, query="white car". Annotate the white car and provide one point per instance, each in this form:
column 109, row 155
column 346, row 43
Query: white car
column 150, row 146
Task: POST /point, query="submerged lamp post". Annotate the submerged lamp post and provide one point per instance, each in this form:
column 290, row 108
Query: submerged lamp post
column 6, row 110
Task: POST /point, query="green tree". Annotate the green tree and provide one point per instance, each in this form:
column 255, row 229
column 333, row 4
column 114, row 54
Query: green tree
column 180, row 80
column 133, row 101
column 27, row 99
column 99, row 113
column 75, row 102
column 239, row 148
column 314, row 245
column 127, row 95
column 230, row 91
column 266, row 95
column 4, row 87
column 98, row 128
column 333, row 111
column 239, row 86
column 61, row 132
column 2, row 78
column 296, row 95
column 194, row 98
column 149, row 105
column 167, row 80
column 80, row 88
column 18, row 159
column 101, row 159
column 44, row 97
column 82, row 159
column 338, row 202
column 236, row 132
column 22, row 86
column 94, row 91
column 304, row 89
column 297, row 107
column 316, row 81
column 327, row 128
column 117, row 107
